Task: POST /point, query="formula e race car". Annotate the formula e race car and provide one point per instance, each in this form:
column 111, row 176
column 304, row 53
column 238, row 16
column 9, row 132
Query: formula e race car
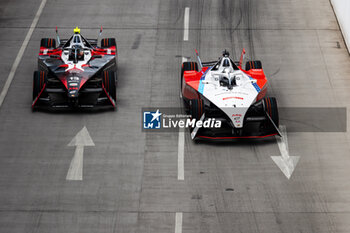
column 224, row 91
column 76, row 74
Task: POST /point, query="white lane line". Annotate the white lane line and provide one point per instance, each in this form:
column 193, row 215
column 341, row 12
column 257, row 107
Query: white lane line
column 21, row 52
column 75, row 171
column 180, row 155
column 181, row 148
column 178, row 222
column 186, row 22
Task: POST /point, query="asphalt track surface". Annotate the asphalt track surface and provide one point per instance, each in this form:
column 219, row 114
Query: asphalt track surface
column 130, row 178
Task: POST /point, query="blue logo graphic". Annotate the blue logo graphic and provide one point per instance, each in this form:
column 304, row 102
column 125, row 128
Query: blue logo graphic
column 151, row 120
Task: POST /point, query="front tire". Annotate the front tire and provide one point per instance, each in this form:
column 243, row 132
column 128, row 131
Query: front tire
column 253, row 65
column 189, row 66
column 108, row 42
column 48, row 43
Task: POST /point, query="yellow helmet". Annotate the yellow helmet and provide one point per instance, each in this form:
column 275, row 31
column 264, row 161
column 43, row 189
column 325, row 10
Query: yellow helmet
column 76, row 30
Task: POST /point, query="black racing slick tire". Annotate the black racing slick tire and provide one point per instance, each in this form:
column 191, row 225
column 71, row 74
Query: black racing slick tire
column 270, row 106
column 196, row 108
column 39, row 80
column 253, row 65
column 48, row 43
column 109, row 83
column 189, row 65
column 108, row 42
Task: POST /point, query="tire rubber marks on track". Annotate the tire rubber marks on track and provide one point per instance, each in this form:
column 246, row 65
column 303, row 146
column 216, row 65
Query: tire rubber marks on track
column 285, row 162
column 21, row 52
column 82, row 139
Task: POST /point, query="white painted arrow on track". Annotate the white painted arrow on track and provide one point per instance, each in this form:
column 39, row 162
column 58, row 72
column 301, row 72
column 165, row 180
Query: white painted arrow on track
column 75, row 171
column 285, row 162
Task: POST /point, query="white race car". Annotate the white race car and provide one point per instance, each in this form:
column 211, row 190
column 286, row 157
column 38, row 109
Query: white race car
column 223, row 91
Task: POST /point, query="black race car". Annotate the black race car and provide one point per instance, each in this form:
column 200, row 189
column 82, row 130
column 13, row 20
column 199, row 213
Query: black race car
column 76, row 74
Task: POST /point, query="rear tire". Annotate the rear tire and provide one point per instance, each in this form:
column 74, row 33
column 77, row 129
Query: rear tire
column 108, row 42
column 39, row 80
column 109, row 83
column 253, row 65
column 270, row 105
column 48, row 43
